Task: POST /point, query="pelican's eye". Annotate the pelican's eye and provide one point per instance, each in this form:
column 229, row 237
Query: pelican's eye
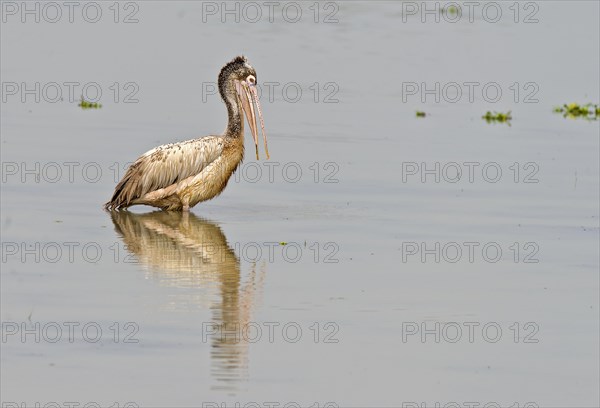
column 251, row 80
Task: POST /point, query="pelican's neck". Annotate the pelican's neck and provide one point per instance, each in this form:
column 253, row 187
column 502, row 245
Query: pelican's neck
column 235, row 120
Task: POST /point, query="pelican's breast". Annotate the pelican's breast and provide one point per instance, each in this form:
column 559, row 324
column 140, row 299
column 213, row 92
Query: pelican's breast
column 212, row 180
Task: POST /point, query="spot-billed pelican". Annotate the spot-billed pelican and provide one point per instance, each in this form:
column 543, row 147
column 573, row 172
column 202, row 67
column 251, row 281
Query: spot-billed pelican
column 177, row 176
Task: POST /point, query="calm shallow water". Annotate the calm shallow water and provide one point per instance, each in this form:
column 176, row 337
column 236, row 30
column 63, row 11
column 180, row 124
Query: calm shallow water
column 330, row 313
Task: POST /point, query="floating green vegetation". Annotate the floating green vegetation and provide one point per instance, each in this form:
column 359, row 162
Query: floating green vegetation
column 453, row 10
column 83, row 104
column 420, row 114
column 497, row 117
column 574, row 110
column 283, row 243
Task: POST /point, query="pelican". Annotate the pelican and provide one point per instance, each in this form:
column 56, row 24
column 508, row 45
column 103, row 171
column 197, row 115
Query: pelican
column 177, row 176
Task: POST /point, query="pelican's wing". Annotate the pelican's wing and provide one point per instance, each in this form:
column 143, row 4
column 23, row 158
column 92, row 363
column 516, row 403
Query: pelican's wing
column 164, row 166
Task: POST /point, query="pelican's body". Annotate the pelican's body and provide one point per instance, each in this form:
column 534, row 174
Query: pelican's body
column 178, row 176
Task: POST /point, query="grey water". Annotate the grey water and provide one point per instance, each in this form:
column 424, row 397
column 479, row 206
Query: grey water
column 376, row 259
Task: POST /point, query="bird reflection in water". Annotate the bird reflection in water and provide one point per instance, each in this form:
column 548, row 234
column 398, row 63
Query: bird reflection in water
column 183, row 250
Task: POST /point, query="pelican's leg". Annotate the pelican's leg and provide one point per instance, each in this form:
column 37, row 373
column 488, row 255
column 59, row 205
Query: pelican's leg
column 186, row 204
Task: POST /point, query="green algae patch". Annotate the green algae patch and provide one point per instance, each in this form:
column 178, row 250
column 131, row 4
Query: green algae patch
column 574, row 110
column 450, row 10
column 497, row 117
column 83, row 104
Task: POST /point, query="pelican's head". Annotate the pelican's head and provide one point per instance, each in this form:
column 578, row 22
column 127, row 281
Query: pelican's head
column 239, row 77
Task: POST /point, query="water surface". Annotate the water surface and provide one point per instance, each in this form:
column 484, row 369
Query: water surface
column 180, row 287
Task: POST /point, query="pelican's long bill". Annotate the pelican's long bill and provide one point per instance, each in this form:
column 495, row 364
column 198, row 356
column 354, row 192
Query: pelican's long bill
column 249, row 97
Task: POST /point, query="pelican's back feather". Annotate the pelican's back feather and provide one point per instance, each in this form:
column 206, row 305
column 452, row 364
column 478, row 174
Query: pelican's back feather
column 164, row 166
